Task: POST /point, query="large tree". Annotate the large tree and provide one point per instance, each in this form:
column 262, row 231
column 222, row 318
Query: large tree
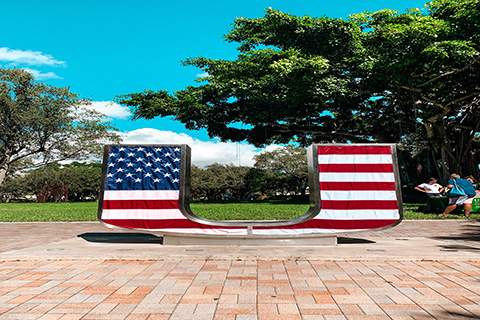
column 426, row 69
column 288, row 89
column 41, row 124
column 409, row 78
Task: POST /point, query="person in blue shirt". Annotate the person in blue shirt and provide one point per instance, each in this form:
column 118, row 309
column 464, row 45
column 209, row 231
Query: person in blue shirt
column 466, row 201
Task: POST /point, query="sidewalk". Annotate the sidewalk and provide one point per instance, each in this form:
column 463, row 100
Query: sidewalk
column 417, row 270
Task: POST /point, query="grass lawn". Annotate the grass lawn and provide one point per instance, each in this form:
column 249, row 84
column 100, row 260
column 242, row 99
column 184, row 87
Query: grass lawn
column 265, row 210
column 69, row 211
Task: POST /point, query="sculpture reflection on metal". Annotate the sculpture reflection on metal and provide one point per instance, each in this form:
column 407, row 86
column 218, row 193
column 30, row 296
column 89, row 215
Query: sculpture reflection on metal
column 352, row 187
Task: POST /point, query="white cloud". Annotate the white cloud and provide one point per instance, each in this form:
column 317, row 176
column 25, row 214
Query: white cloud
column 202, row 75
column 33, row 58
column 42, row 76
column 110, row 109
column 272, row 147
column 203, row 152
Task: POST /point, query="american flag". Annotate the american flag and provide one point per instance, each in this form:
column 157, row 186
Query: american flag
column 142, row 191
column 356, row 184
column 357, row 191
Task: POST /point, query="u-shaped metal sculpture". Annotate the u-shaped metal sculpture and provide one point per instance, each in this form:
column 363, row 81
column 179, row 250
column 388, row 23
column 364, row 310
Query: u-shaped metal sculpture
column 353, row 187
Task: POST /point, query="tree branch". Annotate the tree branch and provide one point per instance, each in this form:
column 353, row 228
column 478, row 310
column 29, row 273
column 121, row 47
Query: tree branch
column 463, row 98
column 461, row 126
column 434, row 102
column 19, row 157
column 445, row 75
column 410, row 88
column 286, row 129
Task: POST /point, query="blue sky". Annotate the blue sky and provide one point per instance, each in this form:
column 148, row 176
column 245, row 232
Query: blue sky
column 101, row 49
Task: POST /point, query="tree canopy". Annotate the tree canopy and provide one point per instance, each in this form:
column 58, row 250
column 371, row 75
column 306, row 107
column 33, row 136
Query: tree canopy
column 41, row 124
column 215, row 181
column 425, row 71
column 283, row 170
column 409, row 78
column 83, row 181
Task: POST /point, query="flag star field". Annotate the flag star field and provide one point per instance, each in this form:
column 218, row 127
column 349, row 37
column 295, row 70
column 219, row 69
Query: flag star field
column 143, row 168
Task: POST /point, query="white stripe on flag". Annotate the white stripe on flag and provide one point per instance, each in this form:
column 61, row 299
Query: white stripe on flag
column 128, row 214
column 259, row 232
column 141, row 195
column 357, row 176
column 354, row 158
column 213, row 231
column 358, row 195
column 331, row 214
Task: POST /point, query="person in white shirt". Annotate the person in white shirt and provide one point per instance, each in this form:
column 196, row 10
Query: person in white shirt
column 431, row 188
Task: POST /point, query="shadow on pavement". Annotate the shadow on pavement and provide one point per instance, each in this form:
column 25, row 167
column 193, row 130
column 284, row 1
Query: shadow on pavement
column 470, row 232
column 111, row 237
column 455, row 248
column 458, row 315
column 121, row 237
column 342, row 240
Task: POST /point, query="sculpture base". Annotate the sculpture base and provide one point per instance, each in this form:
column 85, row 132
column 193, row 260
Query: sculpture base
column 201, row 240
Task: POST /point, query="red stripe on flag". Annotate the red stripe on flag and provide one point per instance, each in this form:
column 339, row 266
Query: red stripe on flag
column 356, row 167
column 337, row 224
column 311, row 224
column 354, row 150
column 359, row 204
column 164, row 224
column 380, row 186
column 140, row 204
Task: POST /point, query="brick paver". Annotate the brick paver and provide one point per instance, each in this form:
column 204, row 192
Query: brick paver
column 205, row 289
column 235, row 289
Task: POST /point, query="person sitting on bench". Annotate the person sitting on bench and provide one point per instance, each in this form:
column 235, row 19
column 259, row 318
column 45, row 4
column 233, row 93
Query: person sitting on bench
column 431, row 188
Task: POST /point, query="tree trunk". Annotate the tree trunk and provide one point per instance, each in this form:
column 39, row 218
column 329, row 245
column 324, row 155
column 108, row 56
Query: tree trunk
column 5, row 164
column 445, row 170
column 439, row 170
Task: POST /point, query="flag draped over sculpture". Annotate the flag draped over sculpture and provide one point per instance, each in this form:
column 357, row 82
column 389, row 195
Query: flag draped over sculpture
column 357, row 191
column 353, row 188
column 142, row 190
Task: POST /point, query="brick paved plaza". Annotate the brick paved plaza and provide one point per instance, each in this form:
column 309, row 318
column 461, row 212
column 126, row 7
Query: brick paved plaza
column 192, row 283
